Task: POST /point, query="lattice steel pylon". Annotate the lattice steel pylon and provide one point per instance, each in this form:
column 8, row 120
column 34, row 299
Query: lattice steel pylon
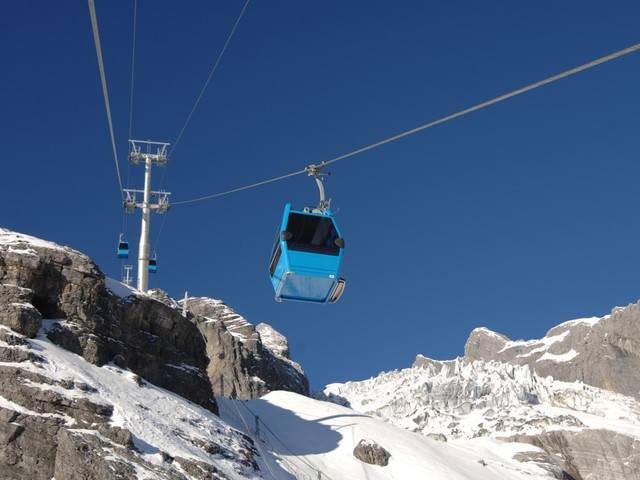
column 160, row 159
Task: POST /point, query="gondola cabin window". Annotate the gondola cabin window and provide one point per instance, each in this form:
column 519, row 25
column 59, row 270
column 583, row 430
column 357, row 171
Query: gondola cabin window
column 312, row 233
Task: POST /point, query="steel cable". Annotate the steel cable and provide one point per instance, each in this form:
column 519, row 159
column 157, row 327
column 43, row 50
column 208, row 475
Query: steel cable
column 96, row 37
column 213, row 70
column 479, row 106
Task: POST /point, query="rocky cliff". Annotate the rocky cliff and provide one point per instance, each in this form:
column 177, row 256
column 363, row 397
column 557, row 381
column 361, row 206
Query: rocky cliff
column 41, row 280
column 249, row 361
column 603, row 352
column 108, row 324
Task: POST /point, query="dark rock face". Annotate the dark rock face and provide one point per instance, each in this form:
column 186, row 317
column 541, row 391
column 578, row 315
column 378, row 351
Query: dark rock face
column 370, row 452
column 243, row 365
column 40, row 445
column 26, row 449
column 39, row 280
column 18, row 313
column 603, row 352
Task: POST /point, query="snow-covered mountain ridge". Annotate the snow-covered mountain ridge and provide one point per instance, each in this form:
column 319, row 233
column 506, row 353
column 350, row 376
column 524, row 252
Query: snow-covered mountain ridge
column 600, row 351
column 99, row 381
column 508, row 390
column 484, row 398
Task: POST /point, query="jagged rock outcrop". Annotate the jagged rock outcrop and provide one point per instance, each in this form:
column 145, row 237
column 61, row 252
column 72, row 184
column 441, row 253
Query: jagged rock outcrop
column 291, row 376
column 40, row 279
column 244, row 366
column 274, row 341
column 603, row 352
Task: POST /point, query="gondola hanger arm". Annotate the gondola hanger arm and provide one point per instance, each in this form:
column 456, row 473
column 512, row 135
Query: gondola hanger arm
column 315, row 171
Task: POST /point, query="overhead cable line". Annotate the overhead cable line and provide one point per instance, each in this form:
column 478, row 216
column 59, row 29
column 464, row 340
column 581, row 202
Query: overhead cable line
column 235, row 401
column 239, row 189
column 96, row 37
column 493, row 101
column 244, row 421
column 295, row 455
column 215, row 67
column 255, row 441
column 256, row 435
column 164, row 218
column 133, row 63
column 479, row 106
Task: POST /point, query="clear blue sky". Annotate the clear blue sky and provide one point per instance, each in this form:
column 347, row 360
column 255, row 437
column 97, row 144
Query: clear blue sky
column 516, row 217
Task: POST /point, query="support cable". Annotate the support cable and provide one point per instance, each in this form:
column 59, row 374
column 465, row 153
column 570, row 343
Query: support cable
column 479, row 106
column 133, row 63
column 303, row 460
column 256, row 442
column 215, row 67
column 239, row 189
column 226, row 382
column 164, row 218
column 506, row 96
column 96, row 37
column 241, row 418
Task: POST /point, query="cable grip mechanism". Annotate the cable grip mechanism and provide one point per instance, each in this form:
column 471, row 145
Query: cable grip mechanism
column 315, row 171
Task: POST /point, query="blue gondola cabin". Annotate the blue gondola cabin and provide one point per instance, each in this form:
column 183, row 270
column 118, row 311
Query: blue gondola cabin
column 306, row 259
column 123, row 250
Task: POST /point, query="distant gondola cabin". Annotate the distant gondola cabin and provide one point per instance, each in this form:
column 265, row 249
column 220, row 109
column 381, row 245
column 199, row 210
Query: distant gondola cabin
column 123, row 250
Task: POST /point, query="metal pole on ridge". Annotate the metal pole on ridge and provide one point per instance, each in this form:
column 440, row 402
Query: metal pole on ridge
column 162, row 205
column 143, row 249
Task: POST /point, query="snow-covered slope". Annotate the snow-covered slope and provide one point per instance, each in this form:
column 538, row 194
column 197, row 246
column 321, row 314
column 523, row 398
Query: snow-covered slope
column 314, row 436
column 295, row 436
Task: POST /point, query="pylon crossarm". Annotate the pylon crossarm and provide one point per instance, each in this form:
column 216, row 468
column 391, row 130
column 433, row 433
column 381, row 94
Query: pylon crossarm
column 159, row 158
column 161, row 206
